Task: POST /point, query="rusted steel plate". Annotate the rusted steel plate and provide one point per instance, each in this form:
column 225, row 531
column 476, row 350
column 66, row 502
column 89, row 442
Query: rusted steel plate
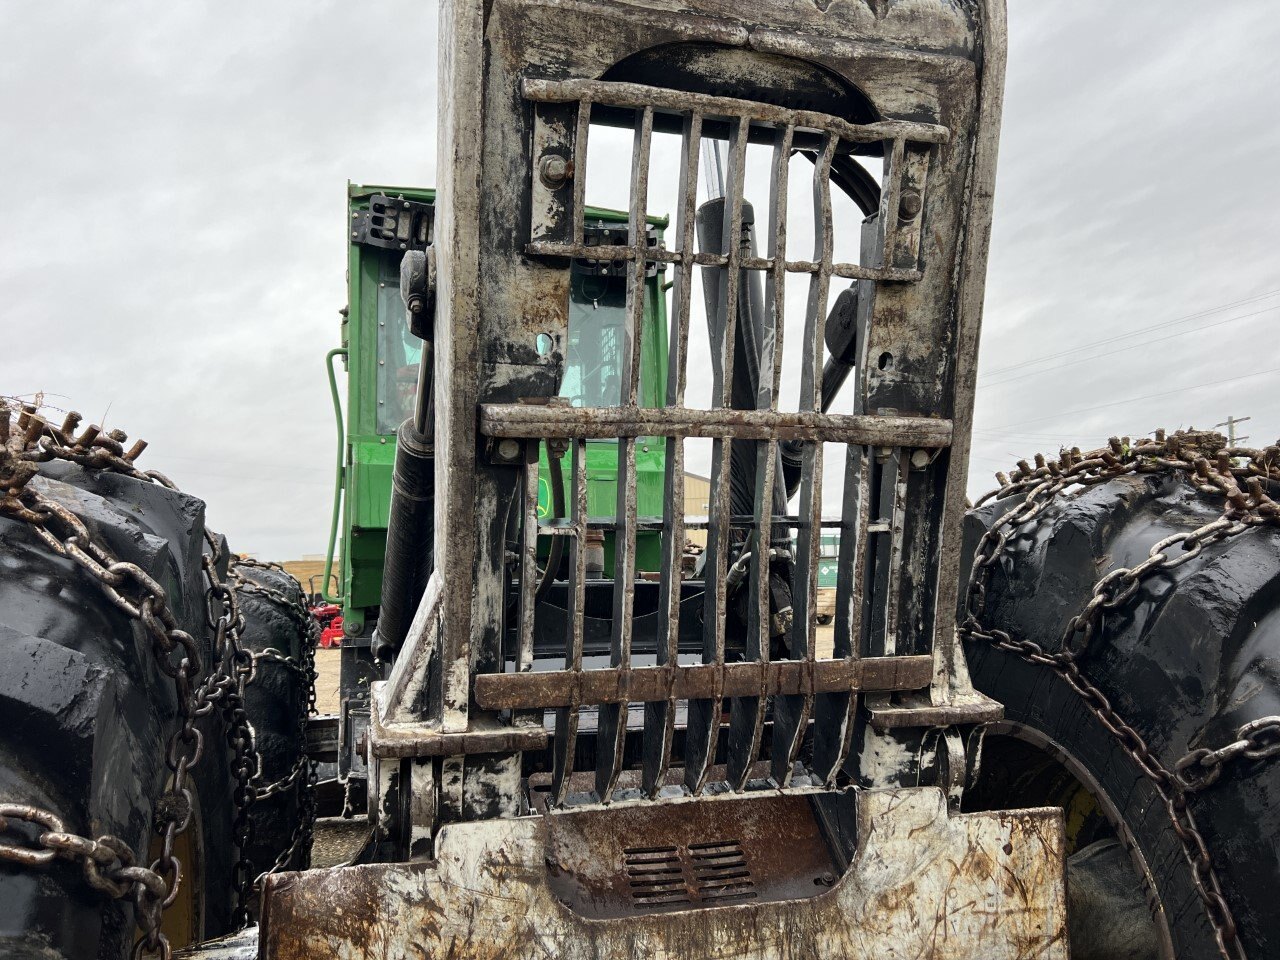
column 390, row 740
column 620, row 861
column 967, row 706
column 922, row 883
column 563, row 688
column 596, row 423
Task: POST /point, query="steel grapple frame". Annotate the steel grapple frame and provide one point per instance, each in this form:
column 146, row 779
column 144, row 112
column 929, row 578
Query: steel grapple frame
column 842, row 741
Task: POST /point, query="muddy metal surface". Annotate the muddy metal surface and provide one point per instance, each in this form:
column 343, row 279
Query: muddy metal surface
column 922, row 884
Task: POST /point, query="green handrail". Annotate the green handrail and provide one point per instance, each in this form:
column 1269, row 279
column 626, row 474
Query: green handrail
column 339, row 479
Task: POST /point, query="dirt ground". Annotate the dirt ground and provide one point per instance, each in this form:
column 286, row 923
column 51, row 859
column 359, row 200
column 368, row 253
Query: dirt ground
column 328, row 666
column 826, row 641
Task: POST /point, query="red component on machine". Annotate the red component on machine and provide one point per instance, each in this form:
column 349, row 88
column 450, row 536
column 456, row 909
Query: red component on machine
column 331, row 636
column 330, row 617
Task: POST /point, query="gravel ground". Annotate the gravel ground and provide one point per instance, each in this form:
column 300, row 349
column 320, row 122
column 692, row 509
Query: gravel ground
column 337, row 841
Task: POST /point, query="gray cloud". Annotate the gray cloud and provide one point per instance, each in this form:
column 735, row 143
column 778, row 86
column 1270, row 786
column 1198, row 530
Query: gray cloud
column 1135, row 189
column 172, row 253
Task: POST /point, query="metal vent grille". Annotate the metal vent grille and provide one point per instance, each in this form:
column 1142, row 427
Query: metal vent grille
column 656, row 876
column 711, row 872
column 720, row 871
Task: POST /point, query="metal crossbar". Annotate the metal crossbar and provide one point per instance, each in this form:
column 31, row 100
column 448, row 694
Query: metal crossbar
column 574, row 688
column 598, row 423
column 801, row 687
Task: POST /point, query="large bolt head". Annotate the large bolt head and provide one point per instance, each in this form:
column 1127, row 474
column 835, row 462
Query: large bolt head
column 910, row 205
column 554, row 170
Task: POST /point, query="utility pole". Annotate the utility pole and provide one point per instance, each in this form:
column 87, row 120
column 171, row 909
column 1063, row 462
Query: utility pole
column 1230, row 424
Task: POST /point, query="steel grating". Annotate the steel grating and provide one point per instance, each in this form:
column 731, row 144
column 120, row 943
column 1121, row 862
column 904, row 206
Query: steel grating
column 803, row 688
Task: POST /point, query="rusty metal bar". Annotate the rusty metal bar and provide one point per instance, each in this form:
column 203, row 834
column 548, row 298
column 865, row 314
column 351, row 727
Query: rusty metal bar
column 776, row 282
column 834, row 712
column 791, row 714
column 897, row 550
column 612, row 730
column 566, row 722
column 659, row 717
column 747, row 715
column 482, row 735
column 890, row 200
column 612, row 253
column 596, row 423
column 655, row 524
column 557, row 528
column 528, row 557
column 580, row 169
column 638, row 235
column 709, row 682
column 704, row 716
column 638, row 96
column 463, row 742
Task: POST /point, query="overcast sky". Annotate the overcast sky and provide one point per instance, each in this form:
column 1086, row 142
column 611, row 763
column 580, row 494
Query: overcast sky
column 173, row 244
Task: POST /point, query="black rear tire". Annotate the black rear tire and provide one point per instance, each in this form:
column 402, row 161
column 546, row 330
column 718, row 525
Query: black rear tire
column 276, row 700
column 85, row 714
column 1195, row 654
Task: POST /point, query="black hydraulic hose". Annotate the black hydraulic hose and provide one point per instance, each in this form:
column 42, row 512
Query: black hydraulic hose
column 410, row 555
column 858, row 184
column 748, row 334
column 855, row 180
column 410, row 551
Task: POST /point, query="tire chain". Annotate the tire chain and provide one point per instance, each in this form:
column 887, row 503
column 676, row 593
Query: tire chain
column 109, row 864
column 1214, row 469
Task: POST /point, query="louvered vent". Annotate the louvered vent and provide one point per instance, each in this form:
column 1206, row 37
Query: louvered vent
column 716, row 871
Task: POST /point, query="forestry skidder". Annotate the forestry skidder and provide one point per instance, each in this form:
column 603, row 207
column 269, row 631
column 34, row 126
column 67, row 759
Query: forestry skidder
column 579, row 752
column 556, row 771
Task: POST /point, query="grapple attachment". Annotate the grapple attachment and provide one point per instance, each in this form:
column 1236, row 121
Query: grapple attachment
column 662, row 765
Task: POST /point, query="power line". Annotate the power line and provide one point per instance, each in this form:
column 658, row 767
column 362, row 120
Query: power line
column 1133, row 333
column 1149, row 396
column 992, row 438
column 1132, row 346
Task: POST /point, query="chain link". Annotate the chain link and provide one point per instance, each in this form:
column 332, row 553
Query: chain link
column 1257, row 740
column 108, row 863
column 1240, row 476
